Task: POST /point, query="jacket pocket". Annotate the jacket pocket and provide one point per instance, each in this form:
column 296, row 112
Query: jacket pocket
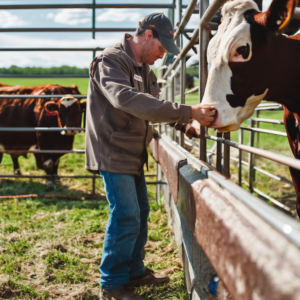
column 126, row 147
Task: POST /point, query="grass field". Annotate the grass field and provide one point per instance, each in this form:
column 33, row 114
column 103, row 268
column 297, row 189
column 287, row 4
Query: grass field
column 51, row 248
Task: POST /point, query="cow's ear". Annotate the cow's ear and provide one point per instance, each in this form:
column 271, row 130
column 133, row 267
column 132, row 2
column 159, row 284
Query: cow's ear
column 51, row 108
column 278, row 15
column 83, row 104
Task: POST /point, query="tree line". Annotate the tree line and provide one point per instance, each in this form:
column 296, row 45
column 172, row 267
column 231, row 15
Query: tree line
column 63, row 70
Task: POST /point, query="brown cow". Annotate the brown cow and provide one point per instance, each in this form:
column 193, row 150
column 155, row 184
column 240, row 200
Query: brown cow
column 250, row 60
column 65, row 112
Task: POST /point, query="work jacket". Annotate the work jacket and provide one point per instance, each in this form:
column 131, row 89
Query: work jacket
column 122, row 99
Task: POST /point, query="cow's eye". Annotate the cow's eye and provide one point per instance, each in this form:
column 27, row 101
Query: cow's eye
column 244, row 51
column 241, row 50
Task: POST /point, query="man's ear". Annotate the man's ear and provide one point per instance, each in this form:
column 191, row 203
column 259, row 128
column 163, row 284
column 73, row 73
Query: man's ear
column 279, row 14
column 148, row 34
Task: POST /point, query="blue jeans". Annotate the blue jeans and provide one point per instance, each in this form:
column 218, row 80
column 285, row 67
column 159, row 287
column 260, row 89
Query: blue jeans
column 127, row 229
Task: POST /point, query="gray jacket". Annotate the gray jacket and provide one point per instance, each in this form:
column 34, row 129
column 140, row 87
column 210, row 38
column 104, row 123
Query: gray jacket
column 122, row 99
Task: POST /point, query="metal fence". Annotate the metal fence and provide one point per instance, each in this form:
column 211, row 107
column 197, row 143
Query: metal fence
column 93, row 6
column 201, row 35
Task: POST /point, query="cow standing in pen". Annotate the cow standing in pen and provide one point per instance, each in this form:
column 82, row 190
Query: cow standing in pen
column 250, row 61
column 65, row 112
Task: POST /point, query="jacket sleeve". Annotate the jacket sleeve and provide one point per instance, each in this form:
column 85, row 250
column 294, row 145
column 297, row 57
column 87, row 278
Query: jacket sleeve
column 116, row 86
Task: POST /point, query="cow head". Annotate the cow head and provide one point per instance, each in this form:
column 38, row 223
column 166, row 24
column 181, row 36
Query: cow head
column 69, row 111
column 239, row 58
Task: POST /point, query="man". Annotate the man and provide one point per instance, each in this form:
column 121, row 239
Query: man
column 122, row 99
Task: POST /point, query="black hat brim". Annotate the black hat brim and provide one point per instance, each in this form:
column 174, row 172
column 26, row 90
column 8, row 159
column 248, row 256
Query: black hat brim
column 169, row 45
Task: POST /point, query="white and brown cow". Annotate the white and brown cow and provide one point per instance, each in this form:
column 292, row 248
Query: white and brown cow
column 250, row 61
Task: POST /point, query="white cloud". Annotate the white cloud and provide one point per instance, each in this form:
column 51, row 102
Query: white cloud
column 50, row 15
column 7, row 19
column 48, row 59
column 71, row 16
column 119, row 15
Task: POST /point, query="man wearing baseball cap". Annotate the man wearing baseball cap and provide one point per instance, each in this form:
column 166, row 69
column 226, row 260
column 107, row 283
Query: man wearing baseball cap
column 123, row 97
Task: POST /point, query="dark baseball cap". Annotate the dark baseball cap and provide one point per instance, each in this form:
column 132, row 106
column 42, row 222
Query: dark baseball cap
column 163, row 26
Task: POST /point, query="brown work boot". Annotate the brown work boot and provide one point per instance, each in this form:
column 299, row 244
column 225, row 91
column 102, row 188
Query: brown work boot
column 148, row 278
column 120, row 293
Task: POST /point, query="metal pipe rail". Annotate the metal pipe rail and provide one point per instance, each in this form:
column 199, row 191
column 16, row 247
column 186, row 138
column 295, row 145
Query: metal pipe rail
column 278, row 178
column 260, row 130
column 39, row 96
column 39, row 129
column 42, row 151
column 43, row 76
column 51, row 49
column 93, row 6
column 290, row 162
column 268, row 121
column 284, row 224
column 193, row 90
column 185, row 19
column 67, row 29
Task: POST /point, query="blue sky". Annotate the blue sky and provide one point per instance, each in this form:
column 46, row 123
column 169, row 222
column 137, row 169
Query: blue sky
column 60, row 18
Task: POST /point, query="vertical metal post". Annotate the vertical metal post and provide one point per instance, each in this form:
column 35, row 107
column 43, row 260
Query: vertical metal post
column 173, row 100
column 158, row 175
column 182, row 91
column 219, row 154
column 203, row 43
column 179, row 16
column 250, row 159
column 94, row 24
column 94, row 185
column 257, row 125
column 241, row 138
column 226, row 159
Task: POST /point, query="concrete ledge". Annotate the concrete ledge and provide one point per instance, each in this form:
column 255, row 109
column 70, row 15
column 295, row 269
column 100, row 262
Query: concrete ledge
column 252, row 258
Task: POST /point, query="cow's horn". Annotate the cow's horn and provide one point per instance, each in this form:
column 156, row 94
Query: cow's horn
column 53, row 113
column 278, row 14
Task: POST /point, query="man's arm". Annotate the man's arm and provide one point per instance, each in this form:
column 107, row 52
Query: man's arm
column 116, row 86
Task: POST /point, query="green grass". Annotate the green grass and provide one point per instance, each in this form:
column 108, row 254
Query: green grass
column 51, row 248
column 82, row 83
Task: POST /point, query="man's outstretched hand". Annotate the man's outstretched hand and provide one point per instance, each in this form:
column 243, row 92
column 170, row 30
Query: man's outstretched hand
column 203, row 113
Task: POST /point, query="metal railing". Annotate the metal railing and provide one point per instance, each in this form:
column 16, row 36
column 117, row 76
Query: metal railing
column 93, row 6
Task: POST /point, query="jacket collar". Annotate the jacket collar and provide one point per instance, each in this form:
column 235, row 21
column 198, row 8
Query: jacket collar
column 128, row 50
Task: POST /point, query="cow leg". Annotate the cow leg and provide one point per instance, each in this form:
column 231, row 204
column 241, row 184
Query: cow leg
column 296, row 180
column 54, row 172
column 16, row 165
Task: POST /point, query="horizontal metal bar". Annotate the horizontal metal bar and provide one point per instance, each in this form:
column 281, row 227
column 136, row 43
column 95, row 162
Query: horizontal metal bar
column 279, row 178
column 60, row 176
column 103, row 5
column 39, row 129
column 156, row 182
column 268, row 121
column 193, row 90
column 269, row 106
column 43, row 76
column 38, row 96
column 50, row 49
column 42, row 151
column 260, row 130
column 204, row 22
column 277, row 203
column 291, row 162
column 123, row 29
column 48, row 176
column 289, row 227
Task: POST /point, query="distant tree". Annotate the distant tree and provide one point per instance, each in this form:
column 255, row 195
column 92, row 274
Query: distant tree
column 63, row 70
